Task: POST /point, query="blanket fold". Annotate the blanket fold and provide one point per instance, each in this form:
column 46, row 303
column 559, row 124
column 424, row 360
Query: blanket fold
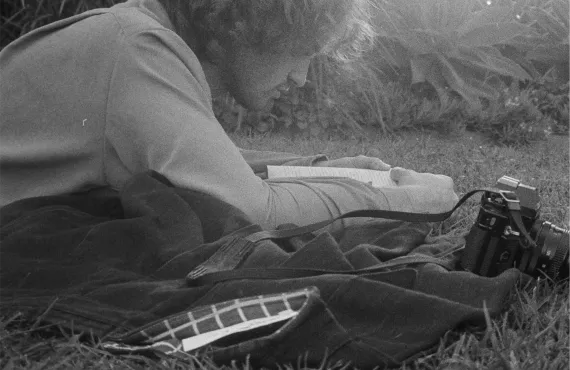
column 116, row 265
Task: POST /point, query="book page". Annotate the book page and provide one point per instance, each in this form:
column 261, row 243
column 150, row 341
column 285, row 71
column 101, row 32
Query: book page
column 378, row 179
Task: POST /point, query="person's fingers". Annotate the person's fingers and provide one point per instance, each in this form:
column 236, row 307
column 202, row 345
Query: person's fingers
column 340, row 162
column 448, row 181
column 403, row 176
column 360, row 161
column 399, row 174
column 371, row 163
column 375, row 163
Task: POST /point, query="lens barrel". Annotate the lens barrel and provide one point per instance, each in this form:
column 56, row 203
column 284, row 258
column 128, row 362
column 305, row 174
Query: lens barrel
column 553, row 243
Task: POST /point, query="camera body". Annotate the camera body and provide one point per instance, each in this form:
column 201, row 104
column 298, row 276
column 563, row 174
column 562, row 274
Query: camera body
column 500, row 240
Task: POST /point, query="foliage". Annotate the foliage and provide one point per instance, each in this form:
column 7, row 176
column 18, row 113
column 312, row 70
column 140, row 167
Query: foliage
column 18, row 17
column 544, row 53
column 512, row 119
column 553, row 102
column 432, row 52
column 451, row 44
column 521, row 116
column 517, row 117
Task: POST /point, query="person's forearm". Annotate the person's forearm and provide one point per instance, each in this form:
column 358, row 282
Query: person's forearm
column 302, row 201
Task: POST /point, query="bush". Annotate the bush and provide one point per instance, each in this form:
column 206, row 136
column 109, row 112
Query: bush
column 543, row 53
column 454, row 45
column 513, row 119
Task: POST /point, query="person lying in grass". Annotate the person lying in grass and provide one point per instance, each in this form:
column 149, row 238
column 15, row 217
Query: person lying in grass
column 93, row 99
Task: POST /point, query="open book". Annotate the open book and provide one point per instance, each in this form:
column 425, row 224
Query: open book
column 378, row 179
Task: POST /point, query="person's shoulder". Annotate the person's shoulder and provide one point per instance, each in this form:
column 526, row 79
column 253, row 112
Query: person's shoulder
column 146, row 26
column 148, row 32
column 136, row 19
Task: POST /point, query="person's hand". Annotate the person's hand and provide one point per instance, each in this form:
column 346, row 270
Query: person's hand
column 427, row 192
column 361, row 161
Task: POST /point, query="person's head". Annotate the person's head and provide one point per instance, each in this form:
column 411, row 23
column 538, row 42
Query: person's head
column 262, row 46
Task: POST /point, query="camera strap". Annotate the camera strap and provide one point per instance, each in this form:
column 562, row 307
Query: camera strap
column 200, row 277
column 370, row 213
column 514, row 211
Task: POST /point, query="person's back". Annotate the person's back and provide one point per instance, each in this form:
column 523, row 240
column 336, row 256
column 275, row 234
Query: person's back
column 54, row 96
column 54, row 101
column 53, row 107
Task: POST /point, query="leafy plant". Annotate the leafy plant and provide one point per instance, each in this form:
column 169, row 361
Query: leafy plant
column 552, row 101
column 450, row 44
column 543, row 53
column 513, row 119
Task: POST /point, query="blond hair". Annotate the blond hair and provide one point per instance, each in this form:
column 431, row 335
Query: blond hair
column 339, row 28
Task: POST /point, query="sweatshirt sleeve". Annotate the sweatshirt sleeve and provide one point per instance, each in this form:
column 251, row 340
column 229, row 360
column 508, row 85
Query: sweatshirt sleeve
column 159, row 117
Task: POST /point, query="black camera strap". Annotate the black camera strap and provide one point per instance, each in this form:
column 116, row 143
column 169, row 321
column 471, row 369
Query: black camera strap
column 371, row 213
column 514, row 211
column 201, row 276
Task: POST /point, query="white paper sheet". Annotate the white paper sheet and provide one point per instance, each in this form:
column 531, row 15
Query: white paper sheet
column 192, row 343
column 378, row 179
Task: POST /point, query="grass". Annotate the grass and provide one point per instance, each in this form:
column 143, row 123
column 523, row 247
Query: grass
column 21, row 16
column 532, row 334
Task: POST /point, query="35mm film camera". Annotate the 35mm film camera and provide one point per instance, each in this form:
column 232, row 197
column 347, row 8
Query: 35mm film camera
column 509, row 233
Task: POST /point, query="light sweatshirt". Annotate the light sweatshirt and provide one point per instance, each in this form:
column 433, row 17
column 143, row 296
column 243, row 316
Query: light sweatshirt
column 89, row 101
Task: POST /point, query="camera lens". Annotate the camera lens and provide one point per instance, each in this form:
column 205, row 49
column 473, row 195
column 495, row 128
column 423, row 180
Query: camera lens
column 552, row 245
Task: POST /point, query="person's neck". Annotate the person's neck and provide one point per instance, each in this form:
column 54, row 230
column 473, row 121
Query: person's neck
column 214, row 78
